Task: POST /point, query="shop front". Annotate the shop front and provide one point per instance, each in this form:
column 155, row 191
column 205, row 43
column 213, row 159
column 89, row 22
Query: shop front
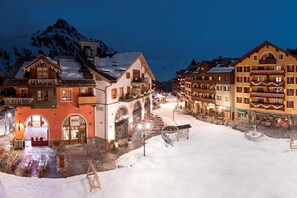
column 74, row 130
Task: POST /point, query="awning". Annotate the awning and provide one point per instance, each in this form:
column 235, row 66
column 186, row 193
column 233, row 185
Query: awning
column 241, row 111
column 186, row 126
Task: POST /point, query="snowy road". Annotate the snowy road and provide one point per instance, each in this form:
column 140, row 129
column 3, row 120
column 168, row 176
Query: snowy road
column 215, row 162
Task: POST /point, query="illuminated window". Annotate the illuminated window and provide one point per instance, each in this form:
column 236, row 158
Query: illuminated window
column 66, row 95
column 42, row 72
column 127, row 75
column 114, row 93
column 42, row 95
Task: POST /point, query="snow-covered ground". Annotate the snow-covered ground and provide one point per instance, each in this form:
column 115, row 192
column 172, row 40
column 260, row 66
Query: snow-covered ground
column 215, row 162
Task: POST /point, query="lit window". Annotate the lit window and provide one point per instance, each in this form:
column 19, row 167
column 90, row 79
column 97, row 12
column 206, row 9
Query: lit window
column 42, row 95
column 114, row 93
column 66, row 95
column 280, row 56
column 42, row 72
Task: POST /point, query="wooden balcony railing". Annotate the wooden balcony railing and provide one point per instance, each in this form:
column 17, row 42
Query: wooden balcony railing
column 267, row 72
column 267, row 106
column 43, row 82
column 267, row 83
column 267, row 95
column 137, row 81
column 208, row 100
column 16, row 101
column 86, row 100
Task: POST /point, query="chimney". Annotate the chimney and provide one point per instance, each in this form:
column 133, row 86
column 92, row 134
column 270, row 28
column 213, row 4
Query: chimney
column 96, row 61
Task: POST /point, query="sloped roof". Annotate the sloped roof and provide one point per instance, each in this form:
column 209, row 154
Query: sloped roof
column 256, row 49
column 221, row 69
column 113, row 67
column 41, row 59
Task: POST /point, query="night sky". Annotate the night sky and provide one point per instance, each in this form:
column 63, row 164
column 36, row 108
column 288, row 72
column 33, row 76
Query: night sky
column 169, row 32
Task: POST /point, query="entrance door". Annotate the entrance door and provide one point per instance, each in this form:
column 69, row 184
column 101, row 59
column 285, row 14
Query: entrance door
column 74, row 130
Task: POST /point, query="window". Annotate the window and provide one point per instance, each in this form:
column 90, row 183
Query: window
column 219, row 97
column 260, row 78
column 210, row 78
column 42, row 72
column 23, row 93
column 246, row 69
column 226, row 88
column 136, row 74
column 255, row 57
column 219, row 88
column 290, row 104
column 277, row 101
column 128, row 91
column 83, row 91
column 66, row 95
column 226, row 98
column 278, row 67
column 128, row 75
column 277, row 79
column 226, row 78
column 246, row 101
column 239, row 69
column 42, row 95
column 239, row 79
column 246, row 90
column 239, row 100
column 290, row 80
column 290, row 92
column 239, row 89
column 290, row 68
column 114, row 93
column 220, row 78
column 246, row 79
column 280, row 57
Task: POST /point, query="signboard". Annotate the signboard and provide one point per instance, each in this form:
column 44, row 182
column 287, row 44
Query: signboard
column 74, row 121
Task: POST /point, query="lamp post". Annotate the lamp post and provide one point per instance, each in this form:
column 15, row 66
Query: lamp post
column 143, row 130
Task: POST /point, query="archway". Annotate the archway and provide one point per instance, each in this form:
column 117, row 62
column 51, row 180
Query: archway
column 147, row 106
column 136, row 113
column 74, row 129
column 121, row 124
column 36, row 126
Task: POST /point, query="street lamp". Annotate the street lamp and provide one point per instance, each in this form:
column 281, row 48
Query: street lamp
column 143, row 132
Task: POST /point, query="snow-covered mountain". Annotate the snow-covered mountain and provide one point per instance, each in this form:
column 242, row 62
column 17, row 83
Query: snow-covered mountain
column 59, row 39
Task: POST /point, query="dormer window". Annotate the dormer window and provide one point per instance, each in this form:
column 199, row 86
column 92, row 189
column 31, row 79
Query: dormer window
column 42, row 72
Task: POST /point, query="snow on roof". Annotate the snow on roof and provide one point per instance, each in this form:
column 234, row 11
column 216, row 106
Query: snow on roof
column 221, row 69
column 114, row 66
column 20, row 73
column 71, row 68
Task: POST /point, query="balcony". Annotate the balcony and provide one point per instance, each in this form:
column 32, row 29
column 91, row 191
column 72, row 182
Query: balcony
column 207, row 100
column 267, row 83
column 204, row 81
column 267, row 72
column 18, row 101
column 268, row 95
column 267, row 106
column 267, row 61
column 43, row 82
column 86, row 100
column 139, row 81
column 198, row 90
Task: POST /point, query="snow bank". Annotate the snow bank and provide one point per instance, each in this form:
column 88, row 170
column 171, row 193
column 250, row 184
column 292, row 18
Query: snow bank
column 216, row 161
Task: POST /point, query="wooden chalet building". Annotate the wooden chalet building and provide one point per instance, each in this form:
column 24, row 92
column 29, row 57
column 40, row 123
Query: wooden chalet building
column 54, row 100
